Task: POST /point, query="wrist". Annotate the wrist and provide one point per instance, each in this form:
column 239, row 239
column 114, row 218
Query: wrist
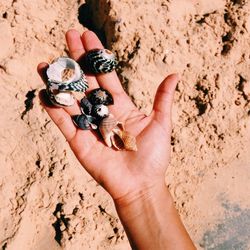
column 151, row 220
column 133, row 204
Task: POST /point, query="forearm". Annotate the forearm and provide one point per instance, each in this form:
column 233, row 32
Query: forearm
column 152, row 222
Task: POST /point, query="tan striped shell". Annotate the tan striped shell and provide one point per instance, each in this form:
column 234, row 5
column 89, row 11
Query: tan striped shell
column 106, row 127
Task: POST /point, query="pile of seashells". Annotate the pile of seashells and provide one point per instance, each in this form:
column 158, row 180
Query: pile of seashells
column 65, row 76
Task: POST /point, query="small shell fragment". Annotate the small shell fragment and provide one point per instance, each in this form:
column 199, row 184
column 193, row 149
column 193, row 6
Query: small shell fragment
column 100, row 96
column 100, row 61
column 100, row 111
column 67, row 74
column 61, row 99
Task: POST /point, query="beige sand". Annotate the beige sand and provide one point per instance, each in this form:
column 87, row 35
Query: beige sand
column 44, row 192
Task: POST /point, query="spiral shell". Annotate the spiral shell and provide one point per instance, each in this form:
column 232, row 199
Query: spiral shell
column 114, row 134
column 100, row 61
column 122, row 140
column 106, row 126
column 100, row 96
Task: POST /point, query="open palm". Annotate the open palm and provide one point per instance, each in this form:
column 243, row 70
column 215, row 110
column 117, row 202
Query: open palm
column 120, row 172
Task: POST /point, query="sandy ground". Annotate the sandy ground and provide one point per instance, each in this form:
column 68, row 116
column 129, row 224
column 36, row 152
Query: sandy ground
column 47, row 201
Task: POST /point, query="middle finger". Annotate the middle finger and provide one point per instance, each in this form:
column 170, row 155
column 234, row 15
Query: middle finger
column 76, row 51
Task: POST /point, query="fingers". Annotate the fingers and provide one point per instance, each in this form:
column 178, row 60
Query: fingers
column 41, row 69
column 109, row 81
column 59, row 116
column 79, row 140
column 76, row 51
column 123, row 105
column 164, row 99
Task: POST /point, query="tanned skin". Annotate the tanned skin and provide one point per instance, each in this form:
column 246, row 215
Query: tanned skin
column 135, row 180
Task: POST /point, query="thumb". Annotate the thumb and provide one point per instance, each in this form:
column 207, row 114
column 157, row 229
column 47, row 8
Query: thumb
column 164, row 98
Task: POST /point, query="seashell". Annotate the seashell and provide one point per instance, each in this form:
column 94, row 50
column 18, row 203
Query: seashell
column 113, row 134
column 81, row 121
column 100, row 111
column 100, row 61
column 84, row 122
column 121, row 139
column 65, row 74
column 61, row 99
column 106, row 127
column 117, row 141
column 85, row 106
column 92, row 120
column 100, row 96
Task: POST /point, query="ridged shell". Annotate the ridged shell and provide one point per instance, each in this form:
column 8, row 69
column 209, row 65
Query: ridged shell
column 106, row 126
column 100, row 61
column 100, row 96
column 65, row 74
column 113, row 134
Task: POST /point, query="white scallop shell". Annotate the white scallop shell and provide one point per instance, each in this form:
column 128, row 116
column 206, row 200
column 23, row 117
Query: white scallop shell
column 63, row 99
column 55, row 70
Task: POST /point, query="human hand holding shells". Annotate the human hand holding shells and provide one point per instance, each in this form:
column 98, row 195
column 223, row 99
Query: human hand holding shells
column 120, row 172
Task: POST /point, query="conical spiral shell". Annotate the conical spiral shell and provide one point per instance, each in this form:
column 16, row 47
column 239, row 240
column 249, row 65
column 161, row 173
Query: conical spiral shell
column 121, row 140
column 106, row 126
column 114, row 134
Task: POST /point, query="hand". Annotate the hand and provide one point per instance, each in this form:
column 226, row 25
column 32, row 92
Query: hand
column 123, row 174
column 135, row 180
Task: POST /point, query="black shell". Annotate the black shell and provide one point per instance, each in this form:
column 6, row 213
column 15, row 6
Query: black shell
column 81, row 121
column 85, row 106
column 100, row 111
column 100, row 61
column 100, row 96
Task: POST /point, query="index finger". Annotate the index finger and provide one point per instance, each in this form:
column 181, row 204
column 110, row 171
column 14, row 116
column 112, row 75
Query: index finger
column 76, row 51
column 109, row 81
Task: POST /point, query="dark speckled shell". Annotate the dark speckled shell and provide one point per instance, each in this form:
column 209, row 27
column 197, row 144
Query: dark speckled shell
column 99, row 112
column 100, row 96
column 100, row 61
column 85, row 106
column 81, row 121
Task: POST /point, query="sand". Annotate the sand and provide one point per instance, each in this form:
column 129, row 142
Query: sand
column 47, row 200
